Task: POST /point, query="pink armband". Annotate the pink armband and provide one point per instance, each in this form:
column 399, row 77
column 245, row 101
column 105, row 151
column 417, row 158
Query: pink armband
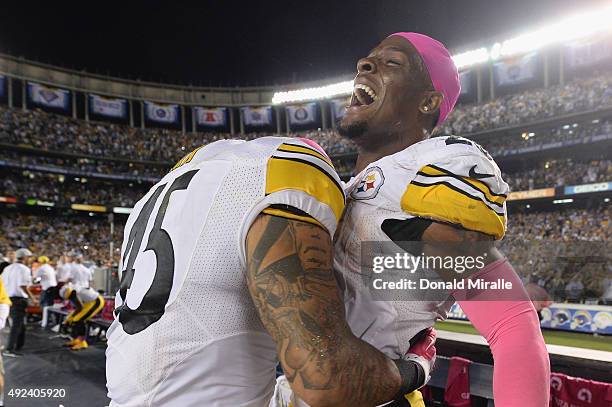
column 521, row 373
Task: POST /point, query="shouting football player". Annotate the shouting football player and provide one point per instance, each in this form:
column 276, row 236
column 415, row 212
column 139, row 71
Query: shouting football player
column 227, row 269
column 410, row 187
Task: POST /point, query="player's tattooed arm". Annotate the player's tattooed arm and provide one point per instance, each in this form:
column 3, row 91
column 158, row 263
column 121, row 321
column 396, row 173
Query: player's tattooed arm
column 292, row 284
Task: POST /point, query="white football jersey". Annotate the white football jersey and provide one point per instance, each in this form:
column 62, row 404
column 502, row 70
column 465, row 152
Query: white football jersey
column 81, row 276
column 448, row 179
column 186, row 332
column 86, row 295
column 64, row 271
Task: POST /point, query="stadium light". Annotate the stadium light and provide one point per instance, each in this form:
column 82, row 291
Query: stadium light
column 322, row 92
column 562, row 201
column 469, row 58
column 568, row 29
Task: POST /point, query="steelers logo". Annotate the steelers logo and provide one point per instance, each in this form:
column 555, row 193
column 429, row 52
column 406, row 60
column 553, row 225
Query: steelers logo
column 370, row 183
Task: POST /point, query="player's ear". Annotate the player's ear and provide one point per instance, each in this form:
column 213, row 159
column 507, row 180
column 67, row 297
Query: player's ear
column 431, row 102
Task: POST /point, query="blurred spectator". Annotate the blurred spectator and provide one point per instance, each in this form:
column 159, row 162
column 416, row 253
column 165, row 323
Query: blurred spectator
column 54, row 235
column 562, row 251
column 48, row 282
column 17, row 279
column 573, row 289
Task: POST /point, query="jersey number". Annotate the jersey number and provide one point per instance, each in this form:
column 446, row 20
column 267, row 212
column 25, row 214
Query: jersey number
column 153, row 303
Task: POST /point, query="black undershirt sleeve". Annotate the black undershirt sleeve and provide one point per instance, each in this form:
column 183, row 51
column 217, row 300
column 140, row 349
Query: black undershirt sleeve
column 405, row 230
column 290, row 209
column 413, row 377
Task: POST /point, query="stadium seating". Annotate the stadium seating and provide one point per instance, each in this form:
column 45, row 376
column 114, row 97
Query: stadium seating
column 61, row 161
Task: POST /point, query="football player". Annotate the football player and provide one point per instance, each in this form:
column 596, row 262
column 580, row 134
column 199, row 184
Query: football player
column 88, row 303
column 226, row 269
column 411, row 187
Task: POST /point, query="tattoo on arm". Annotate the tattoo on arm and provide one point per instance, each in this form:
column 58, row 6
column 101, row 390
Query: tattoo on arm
column 292, row 284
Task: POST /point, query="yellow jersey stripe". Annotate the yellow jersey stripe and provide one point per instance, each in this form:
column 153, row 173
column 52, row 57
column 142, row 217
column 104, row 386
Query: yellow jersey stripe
column 434, row 171
column 293, row 148
column 446, row 203
column 291, row 215
column 289, row 173
column 186, row 159
column 415, row 399
column 89, row 310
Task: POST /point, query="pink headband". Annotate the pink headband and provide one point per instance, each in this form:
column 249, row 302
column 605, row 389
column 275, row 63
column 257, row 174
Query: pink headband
column 441, row 68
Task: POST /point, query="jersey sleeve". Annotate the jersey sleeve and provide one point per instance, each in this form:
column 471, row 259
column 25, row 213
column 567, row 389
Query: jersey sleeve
column 301, row 183
column 460, row 184
column 4, row 298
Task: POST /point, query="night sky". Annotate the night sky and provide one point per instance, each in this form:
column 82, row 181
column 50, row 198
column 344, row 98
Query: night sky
column 231, row 43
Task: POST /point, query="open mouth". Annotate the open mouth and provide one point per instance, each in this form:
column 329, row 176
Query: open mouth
column 363, row 95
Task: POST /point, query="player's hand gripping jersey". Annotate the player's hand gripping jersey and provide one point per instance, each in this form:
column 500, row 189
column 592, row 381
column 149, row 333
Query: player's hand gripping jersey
column 186, row 332
column 447, row 179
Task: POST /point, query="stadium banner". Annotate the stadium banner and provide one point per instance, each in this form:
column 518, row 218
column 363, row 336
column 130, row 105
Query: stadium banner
column 585, row 53
column 37, row 202
column 162, row 113
column 339, row 108
column 532, row 194
column 88, row 208
column 108, row 107
column 465, row 79
column 514, row 71
column 578, row 318
column 211, row 116
column 586, row 188
column 305, row 113
column 257, row 116
column 48, row 96
column 567, row 317
column 2, row 85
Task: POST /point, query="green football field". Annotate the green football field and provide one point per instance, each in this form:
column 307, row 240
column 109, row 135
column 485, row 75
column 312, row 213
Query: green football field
column 578, row 340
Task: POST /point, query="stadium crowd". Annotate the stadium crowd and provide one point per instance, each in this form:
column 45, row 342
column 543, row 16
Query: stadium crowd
column 54, row 236
column 560, row 172
column 538, row 245
column 328, row 139
column 65, row 190
column 47, row 131
column 62, row 192
column 528, row 106
column 68, row 164
column 566, row 252
column 499, row 146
